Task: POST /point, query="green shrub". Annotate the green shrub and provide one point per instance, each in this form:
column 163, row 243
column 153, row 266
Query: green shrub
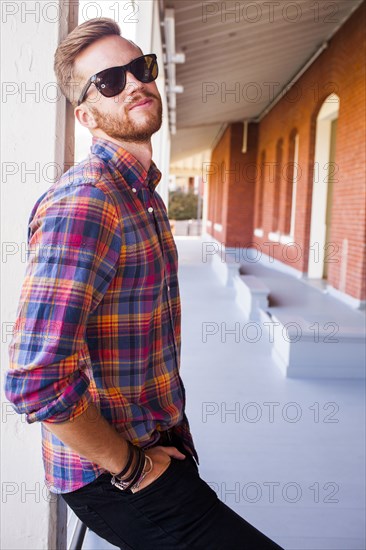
column 182, row 206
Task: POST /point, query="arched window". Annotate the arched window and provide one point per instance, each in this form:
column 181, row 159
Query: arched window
column 220, row 182
column 291, row 175
column 260, row 194
column 325, row 175
column 277, row 186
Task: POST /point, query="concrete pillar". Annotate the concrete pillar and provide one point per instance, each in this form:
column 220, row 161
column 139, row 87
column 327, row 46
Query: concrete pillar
column 160, row 141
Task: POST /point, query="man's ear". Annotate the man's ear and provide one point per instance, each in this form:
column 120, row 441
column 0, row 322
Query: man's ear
column 85, row 117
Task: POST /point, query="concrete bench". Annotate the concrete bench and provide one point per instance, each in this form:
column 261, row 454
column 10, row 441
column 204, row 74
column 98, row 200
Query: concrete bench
column 309, row 345
column 225, row 267
column 251, row 295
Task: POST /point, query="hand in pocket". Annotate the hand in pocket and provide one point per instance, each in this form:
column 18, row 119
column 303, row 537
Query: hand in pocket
column 161, row 459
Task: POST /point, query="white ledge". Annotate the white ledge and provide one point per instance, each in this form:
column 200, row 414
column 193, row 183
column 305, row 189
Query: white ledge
column 274, row 236
column 286, row 239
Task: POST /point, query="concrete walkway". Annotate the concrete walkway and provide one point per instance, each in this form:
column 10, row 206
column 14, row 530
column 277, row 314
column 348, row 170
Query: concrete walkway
column 286, row 454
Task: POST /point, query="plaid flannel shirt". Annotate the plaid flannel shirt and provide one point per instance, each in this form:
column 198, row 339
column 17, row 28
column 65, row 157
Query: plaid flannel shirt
column 99, row 316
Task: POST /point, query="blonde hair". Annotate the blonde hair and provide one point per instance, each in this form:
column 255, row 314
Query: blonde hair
column 80, row 38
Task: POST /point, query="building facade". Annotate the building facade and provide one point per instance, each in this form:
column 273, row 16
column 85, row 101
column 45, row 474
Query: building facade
column 298, row 191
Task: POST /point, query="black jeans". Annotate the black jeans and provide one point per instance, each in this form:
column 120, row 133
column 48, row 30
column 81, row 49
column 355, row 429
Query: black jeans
column 177, row 511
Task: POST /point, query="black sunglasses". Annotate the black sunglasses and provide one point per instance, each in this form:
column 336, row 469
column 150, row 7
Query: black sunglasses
column 111, row 82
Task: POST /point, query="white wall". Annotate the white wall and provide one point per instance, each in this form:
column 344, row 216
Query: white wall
column 33, row 121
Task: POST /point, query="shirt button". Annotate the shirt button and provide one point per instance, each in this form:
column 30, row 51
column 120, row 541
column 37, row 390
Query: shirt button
column 150, row 209
column 134, row 189
column 168, row 288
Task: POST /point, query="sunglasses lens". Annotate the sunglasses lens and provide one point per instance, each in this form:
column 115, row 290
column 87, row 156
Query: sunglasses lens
column 145, row 68
column 111, row 81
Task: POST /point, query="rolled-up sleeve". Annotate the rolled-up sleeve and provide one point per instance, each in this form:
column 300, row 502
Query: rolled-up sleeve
column 74, row 246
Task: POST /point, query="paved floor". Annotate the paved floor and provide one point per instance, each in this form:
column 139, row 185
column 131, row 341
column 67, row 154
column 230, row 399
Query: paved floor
column 286, row 454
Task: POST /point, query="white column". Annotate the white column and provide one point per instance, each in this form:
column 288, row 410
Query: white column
column 32, row 154
column 161, row 141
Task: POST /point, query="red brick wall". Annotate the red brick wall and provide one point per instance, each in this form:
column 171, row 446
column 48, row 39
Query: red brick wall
column 241, row 190
column 232, row 186
column 218, row 186
column 339, row 69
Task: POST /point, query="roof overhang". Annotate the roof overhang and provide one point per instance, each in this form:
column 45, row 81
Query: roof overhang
column 240, row 57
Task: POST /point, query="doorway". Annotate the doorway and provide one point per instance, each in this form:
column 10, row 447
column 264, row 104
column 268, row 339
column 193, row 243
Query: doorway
column 321, row 249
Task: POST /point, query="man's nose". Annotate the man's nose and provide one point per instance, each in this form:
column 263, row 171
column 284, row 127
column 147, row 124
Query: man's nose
column 132, row 83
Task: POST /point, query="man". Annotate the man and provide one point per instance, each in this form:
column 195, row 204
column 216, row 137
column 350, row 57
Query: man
column 95, row 353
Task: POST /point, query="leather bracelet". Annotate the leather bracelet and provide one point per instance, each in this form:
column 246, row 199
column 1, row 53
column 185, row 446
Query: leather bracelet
column 140, row 474
column 136, row 456
column 124, row 471
column 135, row 475
column 139, row 469
column 139, row 458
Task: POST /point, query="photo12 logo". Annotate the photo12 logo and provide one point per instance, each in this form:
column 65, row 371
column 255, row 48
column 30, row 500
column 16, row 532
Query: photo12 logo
column 75, row 11
column 274, row 492
column 269, row 11
column 269, row 411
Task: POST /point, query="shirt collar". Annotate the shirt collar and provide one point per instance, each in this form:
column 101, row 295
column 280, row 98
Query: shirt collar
column 131, row 169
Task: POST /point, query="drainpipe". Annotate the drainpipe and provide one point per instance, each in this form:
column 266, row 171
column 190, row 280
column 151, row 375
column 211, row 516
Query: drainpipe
column 171, row 59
